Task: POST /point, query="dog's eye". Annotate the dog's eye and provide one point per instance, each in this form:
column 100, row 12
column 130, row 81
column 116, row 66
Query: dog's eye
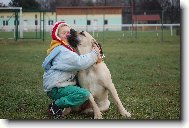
column 82, row 33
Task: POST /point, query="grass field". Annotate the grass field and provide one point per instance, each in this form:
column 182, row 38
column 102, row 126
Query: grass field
column 146, row 74
column 102, row 36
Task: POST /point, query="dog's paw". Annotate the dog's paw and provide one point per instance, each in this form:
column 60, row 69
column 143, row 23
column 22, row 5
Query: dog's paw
column 125, row 113
column 128, row 114
column 98, row 116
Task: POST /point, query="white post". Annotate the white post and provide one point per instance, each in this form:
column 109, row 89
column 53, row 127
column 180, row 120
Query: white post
column 171, row 27
column 93, row 30
column 21, row 24
column 14, row 32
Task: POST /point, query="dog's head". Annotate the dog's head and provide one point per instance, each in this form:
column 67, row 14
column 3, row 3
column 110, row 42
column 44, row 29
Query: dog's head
column 83, row 42
column 86, row 43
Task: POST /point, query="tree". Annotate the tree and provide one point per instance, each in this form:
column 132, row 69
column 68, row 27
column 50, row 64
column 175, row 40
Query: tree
column 74, row 2
column 25, row 4
column 109, row 2
column 169, row 8
column 173, row 13
column 89, row 3
column 68, row 3
column 150, row 6
column 47, row 5
column 2, row 5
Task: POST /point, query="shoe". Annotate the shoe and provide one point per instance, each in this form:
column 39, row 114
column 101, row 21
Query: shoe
column 54, row 110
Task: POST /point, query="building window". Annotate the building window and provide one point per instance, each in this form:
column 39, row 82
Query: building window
column 50, row 22
column 35, row 16
column 36, row 22
column 74, row 21
column 105, row 22
column 88, row 22
column 5, row 23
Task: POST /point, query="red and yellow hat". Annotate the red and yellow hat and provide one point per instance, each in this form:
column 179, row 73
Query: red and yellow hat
column 57, row 25
column 55, row 36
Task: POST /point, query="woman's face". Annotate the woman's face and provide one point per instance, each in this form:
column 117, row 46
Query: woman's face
column 64, row 32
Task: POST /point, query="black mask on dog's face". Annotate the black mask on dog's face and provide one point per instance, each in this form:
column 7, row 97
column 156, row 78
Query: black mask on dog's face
column 73, row 38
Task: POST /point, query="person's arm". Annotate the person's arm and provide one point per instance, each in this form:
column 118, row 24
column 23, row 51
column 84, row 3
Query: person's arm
column 70, row 61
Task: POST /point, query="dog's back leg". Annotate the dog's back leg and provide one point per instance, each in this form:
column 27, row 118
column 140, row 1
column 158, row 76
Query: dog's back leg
column 104, row 105
column 117, row 101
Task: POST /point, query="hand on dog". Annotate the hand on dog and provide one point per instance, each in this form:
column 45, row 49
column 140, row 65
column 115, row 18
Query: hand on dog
column 99, row 58
column 96, row 49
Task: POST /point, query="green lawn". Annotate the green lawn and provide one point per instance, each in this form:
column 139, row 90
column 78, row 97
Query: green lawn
column 126, row 35
column 146, row 74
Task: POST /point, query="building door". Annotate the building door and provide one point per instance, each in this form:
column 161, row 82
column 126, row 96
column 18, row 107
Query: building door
column 95, row 25
column 25, row 25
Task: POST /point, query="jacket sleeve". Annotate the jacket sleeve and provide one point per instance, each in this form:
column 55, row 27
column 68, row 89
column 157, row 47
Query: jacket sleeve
column 71, row 61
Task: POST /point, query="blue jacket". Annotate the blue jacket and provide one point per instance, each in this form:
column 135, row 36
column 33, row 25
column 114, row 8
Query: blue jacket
column 61, row 67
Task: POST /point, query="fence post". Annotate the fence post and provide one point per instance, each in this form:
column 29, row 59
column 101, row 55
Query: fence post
column 162, row 13
column 86, row 19
column 21, row 24
column 43, row 26
column 136, row 28
column 171, row 27
column 16, row 25
column 103, row 22
column 40, row 24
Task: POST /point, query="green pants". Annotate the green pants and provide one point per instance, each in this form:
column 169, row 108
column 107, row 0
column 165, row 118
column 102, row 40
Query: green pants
column 69, row 96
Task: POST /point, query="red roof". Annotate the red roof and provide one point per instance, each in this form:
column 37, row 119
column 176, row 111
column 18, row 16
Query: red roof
column 146, row 18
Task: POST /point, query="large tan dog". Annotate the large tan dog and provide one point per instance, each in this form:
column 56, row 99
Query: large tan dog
column 98, row 80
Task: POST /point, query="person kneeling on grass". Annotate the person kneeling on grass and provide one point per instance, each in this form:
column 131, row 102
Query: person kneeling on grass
column 61, row 66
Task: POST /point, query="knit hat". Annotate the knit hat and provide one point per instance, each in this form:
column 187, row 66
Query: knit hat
column 57, row 25
column 55, row 36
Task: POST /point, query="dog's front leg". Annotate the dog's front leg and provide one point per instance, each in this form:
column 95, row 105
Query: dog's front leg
column 117, row 101
column 97, row 113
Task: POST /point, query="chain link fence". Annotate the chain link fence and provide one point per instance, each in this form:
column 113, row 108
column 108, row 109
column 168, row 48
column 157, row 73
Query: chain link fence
column 15, row 24
column 128, row 26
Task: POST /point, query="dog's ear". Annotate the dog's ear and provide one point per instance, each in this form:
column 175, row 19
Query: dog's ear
column 73, row 38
